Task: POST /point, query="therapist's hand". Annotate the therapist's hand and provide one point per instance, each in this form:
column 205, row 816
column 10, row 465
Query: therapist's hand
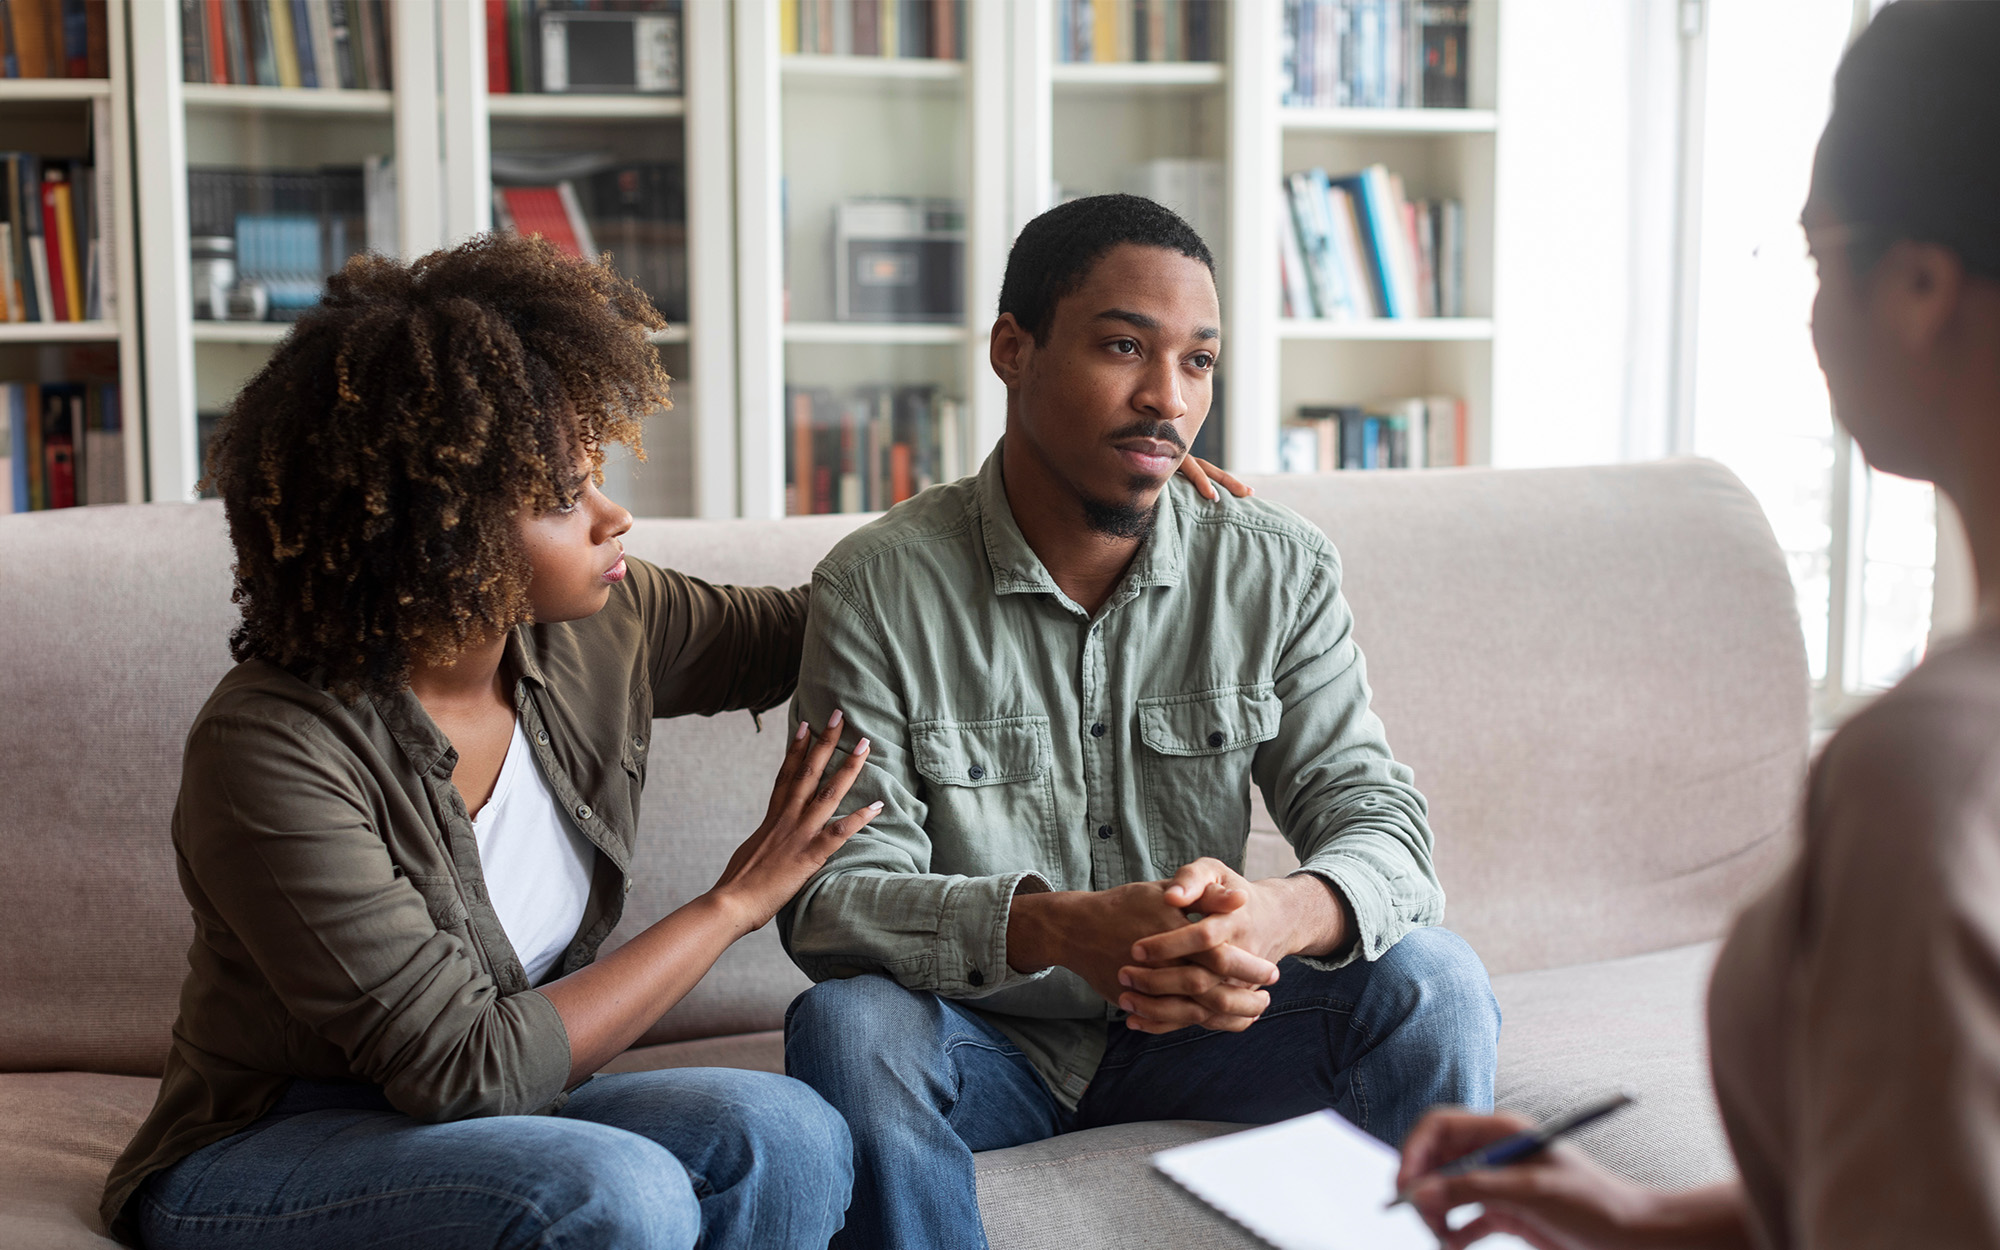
column 1205, row 477
column 1559, row 1200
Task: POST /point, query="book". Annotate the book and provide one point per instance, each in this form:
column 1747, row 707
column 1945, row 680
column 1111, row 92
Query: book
column 539, row 210
column 262, row 51
column 1409, row 433
column 15, row 398
column 60, row 226
column 36, row 24
column 498, row 80
column 284, row 43
column 1374, row 53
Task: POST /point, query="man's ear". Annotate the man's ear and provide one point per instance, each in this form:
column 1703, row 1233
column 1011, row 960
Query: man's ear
column 1009, row 349
column 1915, row 290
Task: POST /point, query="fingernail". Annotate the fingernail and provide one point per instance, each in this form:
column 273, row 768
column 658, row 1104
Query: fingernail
column 803, row 730
column 1125, row 979
column 834, row 719
column 876, row 806
column 861, row 747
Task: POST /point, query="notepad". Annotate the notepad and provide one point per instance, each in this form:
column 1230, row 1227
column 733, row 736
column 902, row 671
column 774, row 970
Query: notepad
column 1314, row 1183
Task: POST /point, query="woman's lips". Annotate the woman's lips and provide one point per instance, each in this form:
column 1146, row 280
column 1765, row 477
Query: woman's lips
column 616, row 573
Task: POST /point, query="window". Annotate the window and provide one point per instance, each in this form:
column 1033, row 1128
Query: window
column 1860, row 543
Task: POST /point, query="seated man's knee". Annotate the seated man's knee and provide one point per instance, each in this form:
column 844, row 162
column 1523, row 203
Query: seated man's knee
column 857, row 1040
column 1439, row 979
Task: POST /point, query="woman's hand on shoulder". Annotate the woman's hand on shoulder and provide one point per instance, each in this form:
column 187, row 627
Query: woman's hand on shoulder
column 1558, row 1200
column 1206, row 477
column 799, row 832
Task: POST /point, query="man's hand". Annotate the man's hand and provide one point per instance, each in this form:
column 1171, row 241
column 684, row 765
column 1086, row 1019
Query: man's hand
column 1245, row 926
column 1092, row 934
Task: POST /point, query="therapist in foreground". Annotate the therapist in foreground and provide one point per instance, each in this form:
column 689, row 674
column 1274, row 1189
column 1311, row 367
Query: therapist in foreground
column 1854, row 1018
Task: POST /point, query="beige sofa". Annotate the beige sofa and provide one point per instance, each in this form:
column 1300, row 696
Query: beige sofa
column 1596, row 673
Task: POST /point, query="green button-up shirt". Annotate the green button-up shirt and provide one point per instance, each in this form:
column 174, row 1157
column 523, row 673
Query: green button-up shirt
column 1018, row 741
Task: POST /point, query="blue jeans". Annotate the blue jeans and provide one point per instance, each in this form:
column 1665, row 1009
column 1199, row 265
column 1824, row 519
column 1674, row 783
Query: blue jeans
column 924, row 1083
column 637, row 1161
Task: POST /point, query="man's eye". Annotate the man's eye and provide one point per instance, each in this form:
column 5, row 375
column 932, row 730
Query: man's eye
column 1126, row 346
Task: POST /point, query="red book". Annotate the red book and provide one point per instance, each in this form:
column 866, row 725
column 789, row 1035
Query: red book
column 218, row 42
column 901, row 484
column 539, row 210
column 802, row 452
column 497, row 80
column 52, row 244
column 822, row 489
column 61, row 472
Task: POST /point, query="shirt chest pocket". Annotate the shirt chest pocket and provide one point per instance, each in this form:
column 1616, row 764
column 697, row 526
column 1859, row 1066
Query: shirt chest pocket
column 988, row 783
column 1196, row 754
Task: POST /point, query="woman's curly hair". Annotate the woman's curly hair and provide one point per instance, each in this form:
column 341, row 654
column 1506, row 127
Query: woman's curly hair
column 373, row 471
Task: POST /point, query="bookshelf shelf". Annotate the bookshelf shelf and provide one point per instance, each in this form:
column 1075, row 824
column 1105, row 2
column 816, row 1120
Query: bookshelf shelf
column 856, row 333
column 536, row 106
column 240, row 331
column 18, row 90
column 307, row 101
column 871, row 69
column 1124, row 76
column 1389, row 330
column 672, row 334
column 59, row 332
column 1412, row 121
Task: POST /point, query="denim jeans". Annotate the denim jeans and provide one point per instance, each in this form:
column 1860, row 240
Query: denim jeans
column 924, row 1083
column 637, row 1161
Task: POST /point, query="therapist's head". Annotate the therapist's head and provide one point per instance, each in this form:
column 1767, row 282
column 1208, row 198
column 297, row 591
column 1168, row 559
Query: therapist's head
column 1904, row 222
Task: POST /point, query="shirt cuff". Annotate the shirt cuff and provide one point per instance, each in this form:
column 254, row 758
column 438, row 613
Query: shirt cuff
column 972, row 928
column 1376, row 924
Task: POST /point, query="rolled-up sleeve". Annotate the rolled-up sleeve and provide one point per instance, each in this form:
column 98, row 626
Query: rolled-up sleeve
column 277, row 839
column 876, row 906
column 1347, row 806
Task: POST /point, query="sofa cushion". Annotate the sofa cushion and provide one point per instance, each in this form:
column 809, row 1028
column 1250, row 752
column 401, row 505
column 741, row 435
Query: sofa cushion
column 59, row 1133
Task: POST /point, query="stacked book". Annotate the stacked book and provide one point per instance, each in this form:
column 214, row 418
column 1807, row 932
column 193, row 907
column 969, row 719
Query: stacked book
column 1374, row 53
column 292, row 227
column 634, row 212
column 285, row 43
column 1421, row 433
column 1354, row 247
column 54, row 265
column 871, row 447
column 54, row 39
column 892, row 28
column 1139, row 30
column 61, row 444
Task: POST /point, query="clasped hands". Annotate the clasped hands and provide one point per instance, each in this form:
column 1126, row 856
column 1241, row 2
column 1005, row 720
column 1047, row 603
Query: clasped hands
column 1194, row 950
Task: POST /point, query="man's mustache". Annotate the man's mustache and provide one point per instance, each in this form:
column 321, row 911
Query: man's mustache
column 1164, row 431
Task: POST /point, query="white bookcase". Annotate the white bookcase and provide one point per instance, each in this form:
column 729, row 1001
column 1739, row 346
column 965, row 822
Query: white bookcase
column 54, row 117
column 771, row 143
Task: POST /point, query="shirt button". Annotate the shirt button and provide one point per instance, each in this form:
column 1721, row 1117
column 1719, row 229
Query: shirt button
column 1097, row 730
column 583, row 811
column 1104, row 831
column 628, row 885
column 638, row 744
column 542, row 736
column 976, row 977
column 1216, row 739
column 975, row 772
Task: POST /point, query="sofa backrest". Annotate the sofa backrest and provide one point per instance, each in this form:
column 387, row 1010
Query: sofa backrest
column 1596, row 673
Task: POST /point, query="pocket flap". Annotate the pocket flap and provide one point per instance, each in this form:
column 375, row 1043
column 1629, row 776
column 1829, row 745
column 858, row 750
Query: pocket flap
column 1209, row 723
column 981, row 753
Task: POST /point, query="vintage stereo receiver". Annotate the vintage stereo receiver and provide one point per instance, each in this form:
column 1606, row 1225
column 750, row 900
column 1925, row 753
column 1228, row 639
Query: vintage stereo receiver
column 898, row 259
column 611, row 53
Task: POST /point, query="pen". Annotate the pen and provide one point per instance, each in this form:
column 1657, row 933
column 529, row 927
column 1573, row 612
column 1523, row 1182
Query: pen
column 1522, row 1144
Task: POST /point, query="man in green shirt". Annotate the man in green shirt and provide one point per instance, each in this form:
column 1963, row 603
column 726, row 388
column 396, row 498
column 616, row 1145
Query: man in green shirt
column 1070, row 673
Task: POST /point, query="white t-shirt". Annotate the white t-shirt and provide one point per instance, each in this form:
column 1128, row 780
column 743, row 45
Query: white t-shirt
column 537, row 865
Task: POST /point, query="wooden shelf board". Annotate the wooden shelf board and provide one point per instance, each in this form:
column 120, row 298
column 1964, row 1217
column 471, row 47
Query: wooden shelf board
column 1389, row 330
column 1121, row 75
column 540, row 106
column 894, row 334
column 1390, row 121
column 58, row 331
column 240, row 331
column 17, row 90
column 306, row 101
column 883, row 69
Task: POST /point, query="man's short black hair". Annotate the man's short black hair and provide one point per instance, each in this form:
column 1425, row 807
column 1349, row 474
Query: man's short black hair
column 1056, row 251
column 1909, row 152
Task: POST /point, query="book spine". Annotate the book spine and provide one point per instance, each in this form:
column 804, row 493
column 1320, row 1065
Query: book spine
column 215, row 42
column 340, row 34
column 498, row 79
column 326, row 68
column 75, row 39
column 31, row 37
column 303, row 52
column 257, row 36
column 236, row 42
column 52, row 253
column 284, row 44
column 10, row 287
column 194, row 52
column 97, row 38
column 10, row 65
column 64, row 195
column 30, row 415
column 103, row 219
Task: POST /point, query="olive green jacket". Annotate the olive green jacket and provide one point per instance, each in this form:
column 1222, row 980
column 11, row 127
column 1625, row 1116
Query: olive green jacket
column 1020, row 742
column 342, row 926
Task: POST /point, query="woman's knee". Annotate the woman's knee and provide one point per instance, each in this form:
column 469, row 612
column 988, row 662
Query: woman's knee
column 604, row 1186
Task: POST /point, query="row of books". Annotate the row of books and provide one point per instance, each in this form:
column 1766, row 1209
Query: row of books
column 526, row 52
column 1375, row 53
column 53, row 261
column 1139, row 30
column 286, row 43
column 54, row 39
column 293, row 227
column 634, row 212
column 891, row 28
column 866, row 449
column 1354, row 247
column 1421, row 433
column 61, row 444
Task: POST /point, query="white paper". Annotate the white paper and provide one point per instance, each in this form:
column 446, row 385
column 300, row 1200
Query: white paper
column 1314, row 1183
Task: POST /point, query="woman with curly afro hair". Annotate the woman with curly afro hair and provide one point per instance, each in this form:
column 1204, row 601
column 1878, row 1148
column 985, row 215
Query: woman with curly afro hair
column 406, row 816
